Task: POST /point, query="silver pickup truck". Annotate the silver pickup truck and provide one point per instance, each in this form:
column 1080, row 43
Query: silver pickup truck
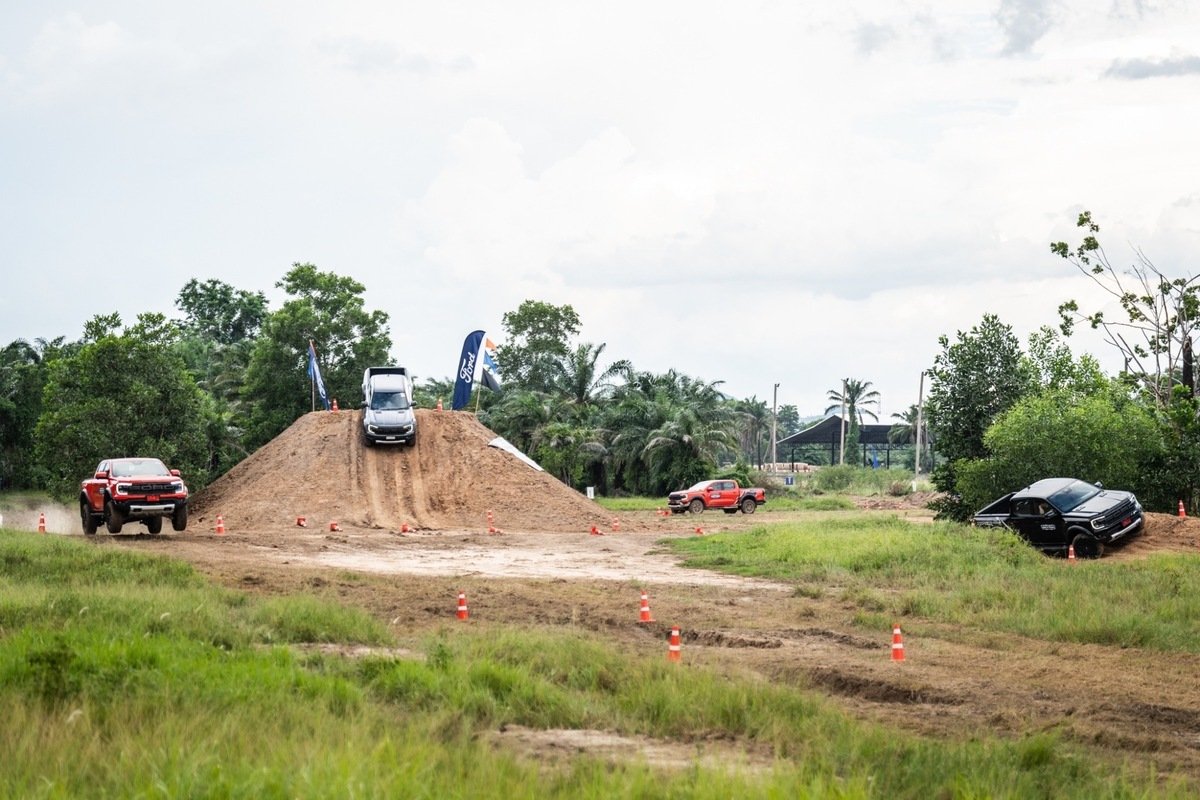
column 388, row 416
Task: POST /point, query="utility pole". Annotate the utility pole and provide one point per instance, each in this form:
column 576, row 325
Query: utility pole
column 920, row 422
column 842, row 454
column 774, row 428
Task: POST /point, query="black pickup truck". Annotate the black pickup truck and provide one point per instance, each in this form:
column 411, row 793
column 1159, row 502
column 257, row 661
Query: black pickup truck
column 1056, row 513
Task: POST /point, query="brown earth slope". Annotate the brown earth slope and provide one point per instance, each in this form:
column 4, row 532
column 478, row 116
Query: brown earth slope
column 320, row 468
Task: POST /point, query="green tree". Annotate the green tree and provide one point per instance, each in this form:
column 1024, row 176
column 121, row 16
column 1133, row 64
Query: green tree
column 120, row 395
column 1102, row 437
column 854, row 398
column 753, row 429
column 578, row 378
column 538, row 337
column 23, row 372
column 328, row 310
column 973, row 380
column 218, row 312
column 1161, row 313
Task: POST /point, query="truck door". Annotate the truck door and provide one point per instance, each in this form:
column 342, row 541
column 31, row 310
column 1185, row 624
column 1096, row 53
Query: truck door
column 1038, row 522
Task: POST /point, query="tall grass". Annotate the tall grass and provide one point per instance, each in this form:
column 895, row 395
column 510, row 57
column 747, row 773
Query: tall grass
column 985, row 579
column 122, row 675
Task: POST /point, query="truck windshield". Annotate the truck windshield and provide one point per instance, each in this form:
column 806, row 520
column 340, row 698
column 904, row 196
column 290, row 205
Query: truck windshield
column 1073, row 495
column 389, row 401
column 132, row 467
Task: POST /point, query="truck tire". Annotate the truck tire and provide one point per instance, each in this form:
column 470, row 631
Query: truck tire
column 696, row 506
column 749, row 505
column 113, row 519
column 90, row 523
column 1086, row 546
column 179, row 518
column 154, row 525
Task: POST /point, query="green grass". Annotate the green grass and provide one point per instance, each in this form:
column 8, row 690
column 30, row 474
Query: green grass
column 782, row 501
column 981, row 579
column 123, row 675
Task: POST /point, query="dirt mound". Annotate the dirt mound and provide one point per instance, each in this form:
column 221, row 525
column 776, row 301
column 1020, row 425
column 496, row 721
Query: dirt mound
column 1163, row 533
column 319, row 468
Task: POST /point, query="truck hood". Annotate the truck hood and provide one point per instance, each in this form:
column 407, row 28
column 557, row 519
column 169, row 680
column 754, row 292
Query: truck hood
column 1101, row 503
column 389, row 417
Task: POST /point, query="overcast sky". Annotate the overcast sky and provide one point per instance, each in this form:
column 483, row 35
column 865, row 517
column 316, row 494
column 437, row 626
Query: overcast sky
column 756, row 193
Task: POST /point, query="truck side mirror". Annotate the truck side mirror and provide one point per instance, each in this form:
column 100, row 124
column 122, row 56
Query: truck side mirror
column 363, row 404
column 174, row 472
column 101, row 476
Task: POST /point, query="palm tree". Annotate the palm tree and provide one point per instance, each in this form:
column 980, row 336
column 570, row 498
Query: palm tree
column 858, row 395
column 576, row 376
column 904, row 431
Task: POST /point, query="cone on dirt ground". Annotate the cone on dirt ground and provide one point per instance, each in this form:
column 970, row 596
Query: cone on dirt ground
column 1071, row 552
column 333, row 526
column 644, row 612
column 491, row 520
column 674, row 648
column 41, row 522
column 404, row 527
column 462, row 606
column 301, row 522
column 897, row 643
column 595, row 531
column 1182, row 510
column 439, row 405
column 335, row 408
column 220, row 525
column 616, row 525
column 699, row 531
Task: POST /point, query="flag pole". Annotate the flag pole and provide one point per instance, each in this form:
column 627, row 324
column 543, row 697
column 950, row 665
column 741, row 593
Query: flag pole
column 478, row 396
column 312, row 382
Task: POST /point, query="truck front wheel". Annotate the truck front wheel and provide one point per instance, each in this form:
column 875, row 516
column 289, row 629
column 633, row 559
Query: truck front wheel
column 154, row 525
column 696, row 506
column 749, row 505
column 113, row 519
column 179, row 518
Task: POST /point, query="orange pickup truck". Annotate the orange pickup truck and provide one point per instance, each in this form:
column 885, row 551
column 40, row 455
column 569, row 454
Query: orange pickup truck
column 724, row 494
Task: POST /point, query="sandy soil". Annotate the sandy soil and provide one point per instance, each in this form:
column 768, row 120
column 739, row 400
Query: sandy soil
column 545, row 569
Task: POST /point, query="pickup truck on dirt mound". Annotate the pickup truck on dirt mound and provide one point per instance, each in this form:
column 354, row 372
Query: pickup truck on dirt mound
column 132, row 490
column 388, row 416
column 726, row 495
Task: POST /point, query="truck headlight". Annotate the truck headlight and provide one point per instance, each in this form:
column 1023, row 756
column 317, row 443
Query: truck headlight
column 123, row 488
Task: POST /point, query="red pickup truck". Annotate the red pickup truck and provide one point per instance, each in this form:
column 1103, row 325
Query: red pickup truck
column 726, row 495
column 132, row 489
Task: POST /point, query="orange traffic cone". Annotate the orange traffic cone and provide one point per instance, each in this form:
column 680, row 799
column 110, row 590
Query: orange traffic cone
column 220, row 525
column 644, row 613
column 674, row 649
column 595, row 531
column 404, row 527
column 699, row 531
column 491, row 519
column 462, row 605
column 1071, row 552
column 1182, row 510
column 616, row 525
column 897, row 643
column 41, row 522
column 335, row 408
column 439, row 405
column 333, row 526
column 301, row 522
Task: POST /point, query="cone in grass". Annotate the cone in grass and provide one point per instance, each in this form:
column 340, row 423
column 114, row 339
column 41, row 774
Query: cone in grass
column 674, row 648
column 462, row 606
column 897, row 643
column 1071, row 552
column 220, row 525
column 644, row 612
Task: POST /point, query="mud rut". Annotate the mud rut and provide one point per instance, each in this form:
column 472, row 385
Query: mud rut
column 1129, row 705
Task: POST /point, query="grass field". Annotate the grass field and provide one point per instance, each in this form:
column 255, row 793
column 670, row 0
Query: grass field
column 126, row 675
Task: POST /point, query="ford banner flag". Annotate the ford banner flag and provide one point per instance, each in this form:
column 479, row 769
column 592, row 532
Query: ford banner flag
column 466, row 370
column 490, row 377
column 314, row 375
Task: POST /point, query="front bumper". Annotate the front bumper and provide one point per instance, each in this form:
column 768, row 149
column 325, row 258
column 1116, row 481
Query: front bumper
column 141, row 508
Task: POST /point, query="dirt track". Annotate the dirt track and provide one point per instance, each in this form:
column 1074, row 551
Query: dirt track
column 545, row 569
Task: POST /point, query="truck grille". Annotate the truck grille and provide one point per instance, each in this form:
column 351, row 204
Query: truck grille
column 152, row 488
column 1113, row 518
